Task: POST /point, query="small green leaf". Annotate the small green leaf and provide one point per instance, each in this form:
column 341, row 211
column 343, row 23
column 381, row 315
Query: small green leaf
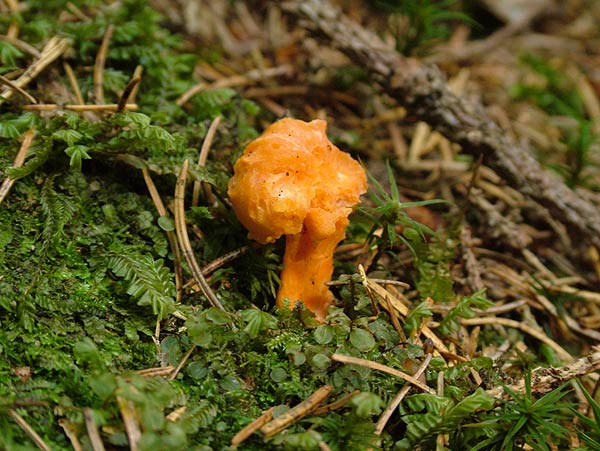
column 198, row 330
column 257, row 321
column 308, row 440
column 362, row 340
column 323, row 334
column 202, row 338
column 278, row 374
column 197, row 370
column 218, row 316
column 230, row 383
column 321, row 361
column 86, row 350
column 415, row 317
column 367, row 404
column 8, row 130
column 69, row 136
column 166, row 223
column 103, row 385
column 77, row 154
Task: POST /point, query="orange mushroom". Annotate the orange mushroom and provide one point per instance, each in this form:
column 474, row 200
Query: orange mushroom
column 293, row 181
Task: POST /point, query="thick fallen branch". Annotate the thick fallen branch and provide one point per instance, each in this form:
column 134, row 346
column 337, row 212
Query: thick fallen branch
column 544, row 380
column 422, row 89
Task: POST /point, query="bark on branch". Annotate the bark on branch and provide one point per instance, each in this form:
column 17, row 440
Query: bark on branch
column 422, row 89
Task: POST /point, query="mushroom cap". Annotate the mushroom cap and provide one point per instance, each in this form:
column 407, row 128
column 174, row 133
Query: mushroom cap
column 292, row 177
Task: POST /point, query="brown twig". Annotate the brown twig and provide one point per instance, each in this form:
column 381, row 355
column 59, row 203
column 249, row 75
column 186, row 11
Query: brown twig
column 526, row 285
column 235, row 80
column 78, row 108
column 383, row 368
column 296, row 413
column 171, row 235
column 161, row 371
column 176, row 414
column 394, row 403
column 424, row 92
column 77, row 12
column 560, row 351
column 132, row 425
column 54, row 48
column 92, row 430
column 472, row 267
column 10, row 84
column 398, row 283
column 18, row 162
column 185, row 358
column 21, row 45
column 99, row 65
column 184, row 241
column 74, row 84
column 335, row 404
column 122, row 104
column 252, row 427
column 71, row 433
column 203, row 156
column 388, row 300
column 39, row 441
column 223, row 260
column 139, row 70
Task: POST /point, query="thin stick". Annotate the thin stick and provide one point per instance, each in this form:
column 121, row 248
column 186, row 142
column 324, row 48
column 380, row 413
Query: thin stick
column 176, row 414
column 83, row 107
column 77, row 12
column 185, row 358
column 393, row 405
column 99, row 65
column 210, row 136
column 158, row 371
column 389, row 307
column 21, row 45
column 92, row 430
column 74, row 84
column 184, row 240
column 71, row 434
column 127, row 93
column 132, row 426
column 18, row 162
column 296, row 413
column 335, row 404
column 336, row 283
column 252, row 427
column 21, row 91
column 223, row 259
column 13, row 28
column 139, row 70
column 171, row 236
column 54, row 48
column 383, row 368
column 156, row 336
column 28, row 430
column 235, row 80
column 564, row 355
column 386, row 298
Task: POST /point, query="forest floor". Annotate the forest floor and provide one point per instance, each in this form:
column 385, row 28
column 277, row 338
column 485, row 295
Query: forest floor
column 135, row 312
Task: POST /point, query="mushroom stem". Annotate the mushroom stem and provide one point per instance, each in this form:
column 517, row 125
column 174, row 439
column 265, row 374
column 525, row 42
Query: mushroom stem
column 307, row 267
